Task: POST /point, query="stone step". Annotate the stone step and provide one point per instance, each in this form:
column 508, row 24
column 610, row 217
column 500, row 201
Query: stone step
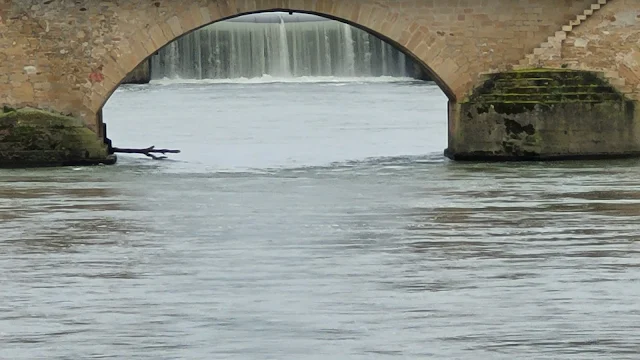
column 530, row 75
column 560, row 35
column 575, row 22
column 541, row 73
column 551, row 98
column 554, row 89
column 560, row 74
column 552, row 40
column 531, row 104
column 589, row 83
column 542, row 86
column 550, row 84
column 548, row 49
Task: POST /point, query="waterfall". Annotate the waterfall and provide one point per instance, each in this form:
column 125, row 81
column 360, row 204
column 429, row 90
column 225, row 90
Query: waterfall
column 281, row 49
column 283, row 56
column 349, row 59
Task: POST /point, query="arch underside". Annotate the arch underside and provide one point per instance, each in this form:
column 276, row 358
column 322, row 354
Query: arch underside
column 414, row 40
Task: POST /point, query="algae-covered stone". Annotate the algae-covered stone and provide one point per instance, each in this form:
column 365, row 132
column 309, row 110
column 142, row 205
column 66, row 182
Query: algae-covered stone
column 542, row 114
column 31, row 137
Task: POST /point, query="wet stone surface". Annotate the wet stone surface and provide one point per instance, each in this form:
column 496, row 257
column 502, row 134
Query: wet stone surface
column 31, row 137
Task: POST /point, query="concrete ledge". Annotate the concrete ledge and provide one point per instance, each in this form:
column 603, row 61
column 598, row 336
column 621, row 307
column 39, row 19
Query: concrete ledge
column 36, row 138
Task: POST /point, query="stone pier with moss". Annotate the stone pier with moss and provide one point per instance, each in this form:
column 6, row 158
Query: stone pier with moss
column 543, row 114
column 31, row 137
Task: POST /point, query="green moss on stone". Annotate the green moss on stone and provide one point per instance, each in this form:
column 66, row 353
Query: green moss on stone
column 537, row 113
column 32, row 137
column 35, row 117
column 537, row 70
column 543, row 87
column 510, row 108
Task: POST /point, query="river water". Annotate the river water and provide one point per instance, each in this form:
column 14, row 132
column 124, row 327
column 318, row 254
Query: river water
column 314, row 219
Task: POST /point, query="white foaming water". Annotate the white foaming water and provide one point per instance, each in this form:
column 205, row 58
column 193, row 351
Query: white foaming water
column 239, row 125
column 268, row 79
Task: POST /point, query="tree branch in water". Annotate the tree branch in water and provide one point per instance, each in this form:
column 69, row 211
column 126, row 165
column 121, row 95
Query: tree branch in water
column 147, row 151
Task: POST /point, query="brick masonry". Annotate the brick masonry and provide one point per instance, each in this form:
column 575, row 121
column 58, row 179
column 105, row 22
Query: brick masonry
column 609, row 42
column 69, row 56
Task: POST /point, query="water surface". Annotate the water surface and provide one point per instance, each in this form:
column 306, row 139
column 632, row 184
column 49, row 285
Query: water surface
column 314, row 220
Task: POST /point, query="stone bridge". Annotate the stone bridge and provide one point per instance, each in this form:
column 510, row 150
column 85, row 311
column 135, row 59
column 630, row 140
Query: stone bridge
column 526, row 79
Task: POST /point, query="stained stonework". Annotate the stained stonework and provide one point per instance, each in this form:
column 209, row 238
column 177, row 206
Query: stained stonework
column 32, row 137
column 69, row 56
column 608, row 42
column 545, row 114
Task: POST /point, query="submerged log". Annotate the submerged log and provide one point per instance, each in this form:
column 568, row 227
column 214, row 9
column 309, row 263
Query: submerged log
column 147, row 151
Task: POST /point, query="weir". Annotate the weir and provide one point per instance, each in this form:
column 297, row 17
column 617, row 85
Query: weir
column 279, row 45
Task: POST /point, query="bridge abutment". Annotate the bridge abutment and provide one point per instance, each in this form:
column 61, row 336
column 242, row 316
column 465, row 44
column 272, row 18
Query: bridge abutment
column 544, row 114
column 31, row 137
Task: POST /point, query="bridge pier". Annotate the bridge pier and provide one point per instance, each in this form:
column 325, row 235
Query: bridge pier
column 31, row 137
column 543, row 114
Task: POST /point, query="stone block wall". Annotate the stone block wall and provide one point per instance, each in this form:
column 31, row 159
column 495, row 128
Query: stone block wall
column 608, row 42
column 69, row 56
column 545, row 114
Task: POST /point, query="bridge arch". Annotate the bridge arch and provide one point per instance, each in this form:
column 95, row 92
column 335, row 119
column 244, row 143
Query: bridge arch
column 171, row 21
